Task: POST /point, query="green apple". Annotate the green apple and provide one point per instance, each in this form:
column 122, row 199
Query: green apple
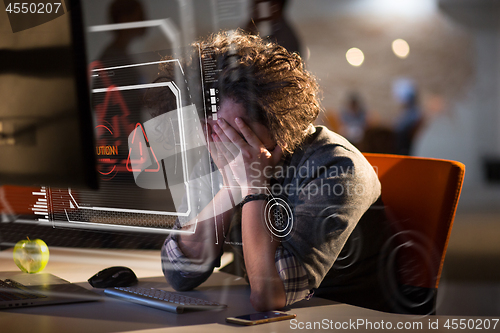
column 31, row 256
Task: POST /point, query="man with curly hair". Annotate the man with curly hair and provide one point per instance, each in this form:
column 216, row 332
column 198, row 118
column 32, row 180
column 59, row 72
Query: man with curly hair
column 264, row 145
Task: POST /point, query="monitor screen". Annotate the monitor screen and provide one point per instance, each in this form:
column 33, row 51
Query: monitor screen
column 145, row 153
column 150, row 154
column 46, row 130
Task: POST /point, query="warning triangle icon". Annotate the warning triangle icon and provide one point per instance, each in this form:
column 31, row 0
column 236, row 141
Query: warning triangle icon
column 139, row 159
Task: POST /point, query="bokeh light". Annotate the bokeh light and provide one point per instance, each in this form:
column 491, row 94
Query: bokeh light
column 401, row 48
column 355, row 57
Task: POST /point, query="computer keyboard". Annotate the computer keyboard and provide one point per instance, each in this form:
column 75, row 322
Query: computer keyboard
column 161, row 299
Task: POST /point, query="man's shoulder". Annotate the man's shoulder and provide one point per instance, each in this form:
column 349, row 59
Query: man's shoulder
column 334, row 156
column 322, row 135
column 326, row 147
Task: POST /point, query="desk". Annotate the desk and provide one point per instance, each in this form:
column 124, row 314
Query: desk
column 111, row 315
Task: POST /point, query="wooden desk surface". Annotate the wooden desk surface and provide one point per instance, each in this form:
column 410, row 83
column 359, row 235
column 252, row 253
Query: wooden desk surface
column 110, row 315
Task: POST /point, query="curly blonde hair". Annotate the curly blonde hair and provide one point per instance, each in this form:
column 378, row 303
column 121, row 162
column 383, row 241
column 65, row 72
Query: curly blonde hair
column 270, row 82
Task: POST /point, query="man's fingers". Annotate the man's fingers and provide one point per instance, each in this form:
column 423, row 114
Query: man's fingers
column 218, row 153
column 212, row 148
column 249, row 135
column 222, row 150
column 232, row 134
column 227, row 139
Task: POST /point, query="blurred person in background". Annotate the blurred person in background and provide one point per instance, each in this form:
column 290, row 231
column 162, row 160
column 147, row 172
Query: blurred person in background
column 408, row 123
column 353, row 119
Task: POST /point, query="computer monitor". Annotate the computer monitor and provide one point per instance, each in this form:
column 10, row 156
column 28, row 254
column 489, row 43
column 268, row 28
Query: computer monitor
column 46, row 127
column 144, row 159
column 146, row 154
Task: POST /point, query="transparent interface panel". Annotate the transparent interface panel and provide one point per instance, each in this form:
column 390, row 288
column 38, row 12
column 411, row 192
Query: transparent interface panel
column 149, row 138
column 153, row 161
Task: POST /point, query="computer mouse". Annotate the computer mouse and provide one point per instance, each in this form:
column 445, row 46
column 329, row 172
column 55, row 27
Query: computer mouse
column 116, row 276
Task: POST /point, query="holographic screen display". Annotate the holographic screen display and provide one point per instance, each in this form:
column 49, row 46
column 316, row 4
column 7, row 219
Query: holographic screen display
column 148, row 153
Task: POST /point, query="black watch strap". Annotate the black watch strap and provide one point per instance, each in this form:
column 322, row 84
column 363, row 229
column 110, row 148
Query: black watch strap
column 252, row 197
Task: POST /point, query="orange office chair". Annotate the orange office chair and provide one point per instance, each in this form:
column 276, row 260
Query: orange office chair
column 420, row 196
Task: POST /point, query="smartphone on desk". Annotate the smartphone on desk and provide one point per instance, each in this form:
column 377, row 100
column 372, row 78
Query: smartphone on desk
column 260, row 318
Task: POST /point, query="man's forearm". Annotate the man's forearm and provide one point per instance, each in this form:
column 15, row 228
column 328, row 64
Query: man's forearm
column 267, row 290
column 209, row 226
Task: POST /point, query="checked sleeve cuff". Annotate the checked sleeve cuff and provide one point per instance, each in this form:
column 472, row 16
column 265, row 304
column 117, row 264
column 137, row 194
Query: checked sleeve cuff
column 293, row 275
column 179, row 261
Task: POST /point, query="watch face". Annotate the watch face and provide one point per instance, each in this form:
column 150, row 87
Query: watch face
column 279, row 218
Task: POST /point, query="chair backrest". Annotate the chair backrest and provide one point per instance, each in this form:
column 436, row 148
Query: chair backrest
column 421, row 197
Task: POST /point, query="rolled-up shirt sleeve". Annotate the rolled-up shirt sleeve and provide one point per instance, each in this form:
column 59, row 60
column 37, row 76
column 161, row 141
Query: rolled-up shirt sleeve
column 293, row 275
column 180, row 271
column 179, row 262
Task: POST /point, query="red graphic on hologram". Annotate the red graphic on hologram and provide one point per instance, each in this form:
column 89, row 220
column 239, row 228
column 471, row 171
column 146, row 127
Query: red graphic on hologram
column 119, row 123
column 106, row 165
column 113, row 126
column 142, row 152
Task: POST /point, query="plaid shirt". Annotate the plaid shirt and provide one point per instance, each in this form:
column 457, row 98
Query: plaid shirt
column 290, row 270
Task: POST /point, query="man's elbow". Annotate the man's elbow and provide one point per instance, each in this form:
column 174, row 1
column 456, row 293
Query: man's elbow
column 181, row 283
column 267, row 301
